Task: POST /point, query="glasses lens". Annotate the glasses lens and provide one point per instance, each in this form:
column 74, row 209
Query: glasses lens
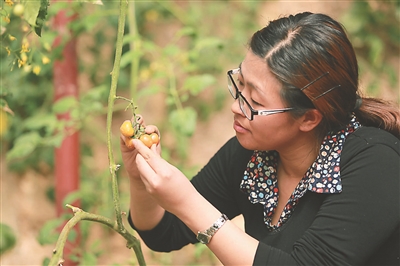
column 231, row 87
column 244, row 107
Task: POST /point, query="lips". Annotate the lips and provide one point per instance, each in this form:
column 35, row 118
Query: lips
column 237, row 126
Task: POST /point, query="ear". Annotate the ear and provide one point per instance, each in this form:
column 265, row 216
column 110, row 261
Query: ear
column 310, row 120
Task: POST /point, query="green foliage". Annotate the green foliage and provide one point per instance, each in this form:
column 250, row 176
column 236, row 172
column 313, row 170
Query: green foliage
column 376, row 48
column 7, row 238
column 36, row 13
column 49, row 232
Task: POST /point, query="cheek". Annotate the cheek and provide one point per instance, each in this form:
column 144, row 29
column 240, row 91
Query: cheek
column 270, row 135
column 256, row 137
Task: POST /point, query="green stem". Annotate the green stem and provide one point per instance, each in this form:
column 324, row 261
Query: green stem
column 173, row 89
column 132, row 242
column 80, row 215
column 111, row 100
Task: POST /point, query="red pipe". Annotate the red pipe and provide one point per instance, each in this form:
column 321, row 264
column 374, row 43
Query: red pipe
column 67, row 159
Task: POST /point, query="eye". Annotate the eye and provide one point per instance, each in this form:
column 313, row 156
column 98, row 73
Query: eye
column 239, row 83
column 255, row 102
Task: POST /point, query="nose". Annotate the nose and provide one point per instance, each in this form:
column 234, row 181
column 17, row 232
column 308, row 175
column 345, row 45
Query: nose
column 235, row 108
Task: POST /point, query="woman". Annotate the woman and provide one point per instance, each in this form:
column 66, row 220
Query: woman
column 314, row 167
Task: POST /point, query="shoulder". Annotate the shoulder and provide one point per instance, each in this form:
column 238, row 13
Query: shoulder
column 369, row 153
column 371, row 138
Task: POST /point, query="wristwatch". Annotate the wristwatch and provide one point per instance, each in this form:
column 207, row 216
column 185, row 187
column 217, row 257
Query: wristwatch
column 205, row 236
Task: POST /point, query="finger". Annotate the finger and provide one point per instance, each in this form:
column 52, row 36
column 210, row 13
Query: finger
column 154, row 148
column 149, row 155
column 139, row 119
column 122, row 140
column 142, row 149
column 151, row 129
column 146, row 172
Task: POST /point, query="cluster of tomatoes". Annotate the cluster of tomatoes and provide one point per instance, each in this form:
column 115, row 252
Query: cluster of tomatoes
column 132, row 130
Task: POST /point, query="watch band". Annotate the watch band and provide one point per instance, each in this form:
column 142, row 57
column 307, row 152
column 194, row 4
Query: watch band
column 206, row 235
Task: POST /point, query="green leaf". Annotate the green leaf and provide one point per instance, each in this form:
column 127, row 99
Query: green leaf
column 72, row 197
column 186, row 31
column 89, row 258
column 127, row 57
column 209, row 42
column 96, row 93
column 46, row 262
column 40, row 120
column 65, row 104
column 55, row 140
column 41, row 18
column 24, row 145
column 48, row 234
column 196, row 84
column 149, row 90
column 149, row 46
column 171, row 50
column 35, row 14
column 128, row 38
column 72, row 235
column 183, row 121
column 89, row 22
column 31, row 11
column 7, row 238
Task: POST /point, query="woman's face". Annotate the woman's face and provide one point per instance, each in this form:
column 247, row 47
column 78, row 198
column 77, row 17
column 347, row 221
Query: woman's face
column 262, row 90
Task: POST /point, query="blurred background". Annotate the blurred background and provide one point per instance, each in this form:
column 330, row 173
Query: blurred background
column 174, row 62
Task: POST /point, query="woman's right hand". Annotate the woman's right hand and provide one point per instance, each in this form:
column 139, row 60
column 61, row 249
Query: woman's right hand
column 129, row 153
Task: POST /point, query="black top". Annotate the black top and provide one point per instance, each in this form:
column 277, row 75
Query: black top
column 359, row 226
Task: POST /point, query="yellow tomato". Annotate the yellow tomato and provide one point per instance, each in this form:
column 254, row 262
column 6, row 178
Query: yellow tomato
column 127, row 129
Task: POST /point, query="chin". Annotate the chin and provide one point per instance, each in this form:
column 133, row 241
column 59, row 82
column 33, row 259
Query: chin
column 251, row 144
column 247, row 143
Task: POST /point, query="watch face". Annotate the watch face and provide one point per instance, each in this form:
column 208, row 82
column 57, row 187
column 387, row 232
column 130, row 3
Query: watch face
column 203, row 238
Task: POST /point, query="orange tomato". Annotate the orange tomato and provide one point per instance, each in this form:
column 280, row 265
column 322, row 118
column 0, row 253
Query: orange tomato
column 146, row 139
column 129, row 143
column 155, row 138
column 127, row 129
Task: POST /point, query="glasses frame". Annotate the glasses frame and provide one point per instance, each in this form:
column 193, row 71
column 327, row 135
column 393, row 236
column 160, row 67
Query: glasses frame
column 242, row 100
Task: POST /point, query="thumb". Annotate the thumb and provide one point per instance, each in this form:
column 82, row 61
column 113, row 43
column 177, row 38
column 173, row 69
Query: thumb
column 150, row 156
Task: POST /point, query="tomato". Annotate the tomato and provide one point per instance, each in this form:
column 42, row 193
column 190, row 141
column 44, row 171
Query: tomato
column 127, row 129
column 18, row 10
column 155, row 138
column 129, row 143
column 146, row 139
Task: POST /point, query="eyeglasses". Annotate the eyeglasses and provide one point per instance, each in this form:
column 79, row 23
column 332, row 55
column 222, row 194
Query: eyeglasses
column 244, row 105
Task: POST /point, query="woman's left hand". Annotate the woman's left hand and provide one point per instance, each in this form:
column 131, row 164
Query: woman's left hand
column 168, row 185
